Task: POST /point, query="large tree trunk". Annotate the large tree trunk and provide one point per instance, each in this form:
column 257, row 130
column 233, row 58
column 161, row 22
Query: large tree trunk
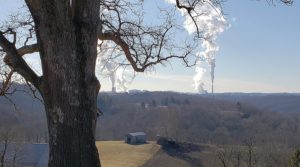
column 67, row 38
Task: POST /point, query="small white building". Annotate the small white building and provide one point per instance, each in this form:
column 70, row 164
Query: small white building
column 136, row 138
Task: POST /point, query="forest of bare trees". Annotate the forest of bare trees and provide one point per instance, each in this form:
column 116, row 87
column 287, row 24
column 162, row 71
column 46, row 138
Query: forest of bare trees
column 65, row 35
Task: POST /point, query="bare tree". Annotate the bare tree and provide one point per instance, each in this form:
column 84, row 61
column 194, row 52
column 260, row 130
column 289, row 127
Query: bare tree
column 4, row 142
column 65, row 33
column 225, row 156
column 274, row 154
column 16, row 152
column 10, row 145
column 251, row 158
column 237, row 157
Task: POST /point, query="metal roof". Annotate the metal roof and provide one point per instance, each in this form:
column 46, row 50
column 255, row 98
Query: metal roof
column 137, row 134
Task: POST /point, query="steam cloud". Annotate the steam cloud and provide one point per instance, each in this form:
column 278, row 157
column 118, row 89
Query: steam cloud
column 211, row 23
column 110, row 67
column 199, row 84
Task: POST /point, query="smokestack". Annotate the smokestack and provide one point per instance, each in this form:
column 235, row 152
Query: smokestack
column 212, row 74
column 113, row 89
column 211, row 22
column 212, row 86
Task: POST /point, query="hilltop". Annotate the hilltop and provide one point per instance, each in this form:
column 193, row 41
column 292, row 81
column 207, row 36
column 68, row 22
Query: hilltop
column 217, row 119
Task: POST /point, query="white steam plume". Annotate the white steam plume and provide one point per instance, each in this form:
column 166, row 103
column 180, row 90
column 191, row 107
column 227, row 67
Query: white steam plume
column 124, row 78
column 111, row 68
column 198, row 79
column 211, row 23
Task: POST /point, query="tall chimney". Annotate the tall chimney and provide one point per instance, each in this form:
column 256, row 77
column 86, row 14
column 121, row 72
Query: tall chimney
column 113, row 89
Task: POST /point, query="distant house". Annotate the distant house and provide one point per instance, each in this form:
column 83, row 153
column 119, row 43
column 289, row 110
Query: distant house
column 136, row 138
column 27, row 155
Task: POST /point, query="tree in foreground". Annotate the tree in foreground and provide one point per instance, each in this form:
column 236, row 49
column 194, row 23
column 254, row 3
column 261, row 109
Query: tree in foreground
column 66, row 35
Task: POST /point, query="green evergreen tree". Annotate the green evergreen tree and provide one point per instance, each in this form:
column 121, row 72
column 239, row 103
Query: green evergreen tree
column 295, row 159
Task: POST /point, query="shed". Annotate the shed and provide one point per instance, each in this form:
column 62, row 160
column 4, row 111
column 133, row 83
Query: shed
column 136, row 138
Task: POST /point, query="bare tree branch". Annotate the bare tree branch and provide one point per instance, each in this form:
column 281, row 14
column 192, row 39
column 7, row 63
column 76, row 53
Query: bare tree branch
column 287, row 2
column 143, row 45
column 17, row 63
column 28, row 49
column 6, row 83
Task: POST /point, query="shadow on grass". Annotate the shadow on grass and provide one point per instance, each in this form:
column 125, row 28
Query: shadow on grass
column 181, row 151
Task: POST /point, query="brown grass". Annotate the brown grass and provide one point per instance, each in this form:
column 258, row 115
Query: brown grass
column 120, row 154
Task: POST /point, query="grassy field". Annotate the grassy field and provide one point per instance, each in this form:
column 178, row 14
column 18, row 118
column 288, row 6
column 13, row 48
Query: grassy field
column 204, row 156
column 120, row 154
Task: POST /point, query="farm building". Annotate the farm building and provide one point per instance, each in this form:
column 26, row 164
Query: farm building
column 29, row 155
column 136, row 138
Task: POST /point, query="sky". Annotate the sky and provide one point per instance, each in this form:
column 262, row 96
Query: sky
column 259, row 52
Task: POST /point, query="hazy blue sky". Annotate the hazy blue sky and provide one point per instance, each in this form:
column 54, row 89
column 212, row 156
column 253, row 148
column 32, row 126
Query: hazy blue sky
column 258, row 53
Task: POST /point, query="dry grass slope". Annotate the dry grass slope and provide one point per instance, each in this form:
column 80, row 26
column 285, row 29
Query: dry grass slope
column 120, row 154
column 204, row 157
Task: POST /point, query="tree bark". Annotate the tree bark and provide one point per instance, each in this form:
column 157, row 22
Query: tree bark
column 67, row 40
